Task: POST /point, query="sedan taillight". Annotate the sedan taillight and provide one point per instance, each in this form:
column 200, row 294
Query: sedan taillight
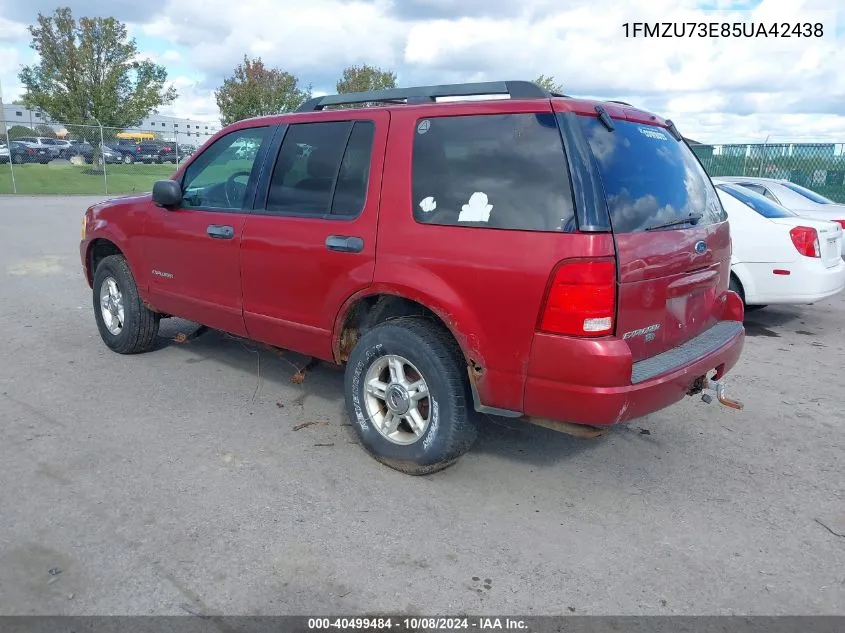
column 806, row 241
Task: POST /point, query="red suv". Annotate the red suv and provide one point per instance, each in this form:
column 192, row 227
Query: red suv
column 553, row 259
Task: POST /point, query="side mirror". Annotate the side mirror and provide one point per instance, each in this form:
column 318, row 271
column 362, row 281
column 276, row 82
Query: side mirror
column 167, row 193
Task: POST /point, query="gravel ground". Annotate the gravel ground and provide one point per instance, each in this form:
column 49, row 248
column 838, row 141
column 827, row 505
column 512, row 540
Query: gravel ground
column 177, row 481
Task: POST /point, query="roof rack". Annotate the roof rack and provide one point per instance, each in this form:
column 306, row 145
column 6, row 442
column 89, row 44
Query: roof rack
column 429, row 94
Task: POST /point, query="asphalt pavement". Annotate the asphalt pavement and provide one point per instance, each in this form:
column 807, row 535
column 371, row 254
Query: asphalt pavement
column 199, row 478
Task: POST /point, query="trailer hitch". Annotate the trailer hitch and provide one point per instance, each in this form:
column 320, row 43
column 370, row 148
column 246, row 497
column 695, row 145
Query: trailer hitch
column 719, row 387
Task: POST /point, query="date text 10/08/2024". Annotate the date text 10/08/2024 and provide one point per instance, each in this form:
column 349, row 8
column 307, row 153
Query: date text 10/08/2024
column 418, row 623
column 780, row 30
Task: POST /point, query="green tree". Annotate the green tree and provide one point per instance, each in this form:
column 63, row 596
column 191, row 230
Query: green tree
column 89, row 70
column 549, row 84
column 364, row 78
column 17, row 131
column 253, row 90
column 45, row 130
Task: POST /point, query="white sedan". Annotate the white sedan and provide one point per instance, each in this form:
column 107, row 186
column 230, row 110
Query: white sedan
column 778, row 256
column 803, row 201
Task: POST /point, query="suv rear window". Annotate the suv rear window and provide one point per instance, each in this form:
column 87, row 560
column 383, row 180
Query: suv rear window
column 499, row 171
column 649, row 178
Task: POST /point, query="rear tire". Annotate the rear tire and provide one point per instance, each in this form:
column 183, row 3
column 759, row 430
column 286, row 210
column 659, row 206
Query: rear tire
column 126, row 325
column 127, row 159
column 437, row 429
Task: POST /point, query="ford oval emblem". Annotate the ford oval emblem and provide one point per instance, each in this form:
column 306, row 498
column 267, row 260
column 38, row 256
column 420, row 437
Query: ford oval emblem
column 700, row 247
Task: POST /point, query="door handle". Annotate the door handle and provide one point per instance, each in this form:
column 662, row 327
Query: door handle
column 220, row 232
column 344, row 244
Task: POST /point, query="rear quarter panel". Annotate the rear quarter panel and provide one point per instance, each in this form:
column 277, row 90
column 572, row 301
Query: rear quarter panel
column 487, row 285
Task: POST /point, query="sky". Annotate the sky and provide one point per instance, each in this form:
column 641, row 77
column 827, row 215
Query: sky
column 737, row 89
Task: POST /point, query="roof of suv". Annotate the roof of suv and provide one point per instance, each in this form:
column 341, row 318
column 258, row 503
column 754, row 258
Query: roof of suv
column 424, row 97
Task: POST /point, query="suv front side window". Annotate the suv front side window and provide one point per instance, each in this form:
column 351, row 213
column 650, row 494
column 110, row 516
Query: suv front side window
column 220, row 177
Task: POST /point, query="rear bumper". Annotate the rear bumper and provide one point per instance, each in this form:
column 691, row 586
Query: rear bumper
column 807, row 282
column 599, row 385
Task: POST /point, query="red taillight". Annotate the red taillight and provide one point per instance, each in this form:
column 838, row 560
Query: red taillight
column 806, row 240
column 840, row 223
column 582, row 299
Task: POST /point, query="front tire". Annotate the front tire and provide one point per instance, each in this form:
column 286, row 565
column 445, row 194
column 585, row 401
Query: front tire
column 126, row 325
column 128, row 159
column 407, row 396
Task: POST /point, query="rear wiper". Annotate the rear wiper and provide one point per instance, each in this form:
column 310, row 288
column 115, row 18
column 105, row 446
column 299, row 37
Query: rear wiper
column 692, row 218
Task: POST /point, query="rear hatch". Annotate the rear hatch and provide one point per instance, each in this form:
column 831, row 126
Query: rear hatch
column 671, row 232
column 829, row 237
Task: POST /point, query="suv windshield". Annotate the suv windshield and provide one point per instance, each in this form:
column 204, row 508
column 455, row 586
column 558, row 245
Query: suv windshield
column 649, row 178
column 812, row 195
column 760, row 204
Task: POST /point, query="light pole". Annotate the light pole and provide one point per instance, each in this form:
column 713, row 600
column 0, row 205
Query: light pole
column 2, row 113
column 5, row 132
column 100, row 154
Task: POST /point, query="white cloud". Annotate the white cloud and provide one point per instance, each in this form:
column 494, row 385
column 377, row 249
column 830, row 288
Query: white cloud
column 716, row 89
column 194, row 102
column 12, row 31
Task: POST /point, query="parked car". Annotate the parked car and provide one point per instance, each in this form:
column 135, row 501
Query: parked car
column 127, row 149
column 558, row 260
column 51, row 149
column 65, row 148
column 156, row 152
column 779, row 256
column 86, row 150
column 185, row 150
column 21, row 152
column 803, row 201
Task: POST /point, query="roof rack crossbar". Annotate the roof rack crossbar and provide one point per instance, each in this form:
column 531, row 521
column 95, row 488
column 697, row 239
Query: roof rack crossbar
column 428, row 94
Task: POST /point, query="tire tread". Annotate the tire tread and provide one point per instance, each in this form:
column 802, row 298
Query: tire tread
column 143, row 335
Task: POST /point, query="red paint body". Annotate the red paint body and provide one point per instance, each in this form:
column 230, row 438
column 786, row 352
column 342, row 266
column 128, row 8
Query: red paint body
column 277, row 283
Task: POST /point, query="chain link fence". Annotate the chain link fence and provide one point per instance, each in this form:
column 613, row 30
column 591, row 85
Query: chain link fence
column 89, row 159
column 80, row 159
column 817, row 166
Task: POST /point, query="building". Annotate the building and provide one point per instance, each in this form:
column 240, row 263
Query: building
column 168, row 127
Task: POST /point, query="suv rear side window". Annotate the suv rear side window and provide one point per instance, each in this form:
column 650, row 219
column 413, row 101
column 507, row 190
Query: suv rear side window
column 649, row 178
column 322, row 168
column 499, row 171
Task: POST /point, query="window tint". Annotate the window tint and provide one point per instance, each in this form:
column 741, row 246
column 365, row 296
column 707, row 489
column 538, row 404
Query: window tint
column 760, row 204
column 503, row 171
column 649, row 178
column 218, row 178
column 802, row 191
column 322, row 168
